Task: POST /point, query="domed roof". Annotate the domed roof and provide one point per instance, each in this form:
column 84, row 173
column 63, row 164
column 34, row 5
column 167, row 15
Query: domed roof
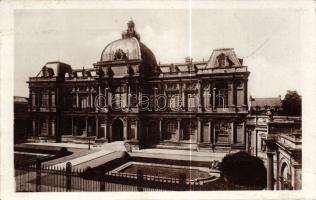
column 130, row 48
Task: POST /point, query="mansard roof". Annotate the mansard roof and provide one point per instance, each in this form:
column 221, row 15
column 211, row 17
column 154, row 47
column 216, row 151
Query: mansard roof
column 54, row 69
column 229, row 57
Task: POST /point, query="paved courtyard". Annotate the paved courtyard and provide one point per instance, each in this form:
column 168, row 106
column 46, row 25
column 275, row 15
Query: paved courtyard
column 83, row 154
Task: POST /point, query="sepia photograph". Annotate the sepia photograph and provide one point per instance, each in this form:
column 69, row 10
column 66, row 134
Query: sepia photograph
column 158, row 100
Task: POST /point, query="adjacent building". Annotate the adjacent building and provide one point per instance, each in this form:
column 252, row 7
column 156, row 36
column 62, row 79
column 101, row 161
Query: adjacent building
column 264, row 115
column 127, row 96
column 21, row 119
column 284, row 158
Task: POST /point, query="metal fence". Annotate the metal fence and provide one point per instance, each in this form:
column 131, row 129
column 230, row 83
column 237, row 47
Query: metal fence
column 41, row 178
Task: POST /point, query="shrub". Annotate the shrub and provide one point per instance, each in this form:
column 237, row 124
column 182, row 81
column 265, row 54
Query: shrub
column 243, row 169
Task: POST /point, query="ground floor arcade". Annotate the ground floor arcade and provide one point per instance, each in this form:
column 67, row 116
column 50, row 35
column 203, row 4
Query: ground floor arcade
column 145, row 131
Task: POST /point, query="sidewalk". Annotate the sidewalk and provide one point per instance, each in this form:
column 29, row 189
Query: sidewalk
column 85, row 158
column 67, row 145
column 216, row 154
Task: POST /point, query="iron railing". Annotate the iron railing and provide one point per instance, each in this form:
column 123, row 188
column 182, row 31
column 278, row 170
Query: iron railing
column 41, row 178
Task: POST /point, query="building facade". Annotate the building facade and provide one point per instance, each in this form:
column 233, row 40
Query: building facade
column 284, row 158
column 126, row 96
column 22, row 125
column 265, row 114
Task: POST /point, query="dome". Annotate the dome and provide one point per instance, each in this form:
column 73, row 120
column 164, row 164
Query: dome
column 130, row 48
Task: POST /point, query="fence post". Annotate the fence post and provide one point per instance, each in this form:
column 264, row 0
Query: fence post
column 38, row 175
column 182, row 181
column 68, row 176
column 140, row 177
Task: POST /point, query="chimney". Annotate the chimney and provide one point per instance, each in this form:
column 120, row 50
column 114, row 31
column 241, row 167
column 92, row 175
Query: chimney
column 241, row 61
column 188, row 59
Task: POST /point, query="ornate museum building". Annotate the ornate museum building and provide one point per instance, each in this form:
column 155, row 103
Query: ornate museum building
column 126, row 96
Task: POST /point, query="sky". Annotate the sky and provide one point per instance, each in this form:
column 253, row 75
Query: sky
column 267, row 39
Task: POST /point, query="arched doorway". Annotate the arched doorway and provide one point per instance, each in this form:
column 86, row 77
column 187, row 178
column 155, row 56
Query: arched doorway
column 285, row 177
column 117, row 130
column 153, row 136
column 189, row 130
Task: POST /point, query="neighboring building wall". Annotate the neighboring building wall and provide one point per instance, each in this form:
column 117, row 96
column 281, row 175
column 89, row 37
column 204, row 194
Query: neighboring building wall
column 284, row 150
column 21, row 119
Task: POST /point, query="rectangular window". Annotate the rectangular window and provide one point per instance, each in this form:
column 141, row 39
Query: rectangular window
column 33, row 100
column 240, row 134
column 207, row 99
column 173, row 100
column 172, row 127
column 221, row 132
column 191, row 101
column 45, row 100
column 53, row 99
column 123, row 100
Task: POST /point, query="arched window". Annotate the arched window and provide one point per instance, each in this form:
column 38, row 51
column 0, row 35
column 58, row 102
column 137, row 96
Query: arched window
column 221, row 95
column 119, row 98
column 221, row 60
column 285, row 177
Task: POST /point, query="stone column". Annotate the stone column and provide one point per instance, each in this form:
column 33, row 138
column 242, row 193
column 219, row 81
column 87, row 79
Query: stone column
column 211, row 96
column 129, row 96
column 110, row 132
column 199, row 97
column 136, row 129
column 214, row 135
column 247, row 141
column 270, row 179
column 86, row 126
column 97, row 127
column 277, row 171
column 199, row 127
column 233, row 94
column 214, row 99
column 139, row 97
column 139, row 132
column 47, row 126
column 77, row 99
column 34, row 128
column 210, row 131
column 160, row 129
column 232, row 134
column 108, row 97
column 244, row 132
column 53, row 128
column 72, row 125
column 125, row 129
column 91, row 98
column 105, row 129
column 182, row 96
column 179, row 129
column 245, row 92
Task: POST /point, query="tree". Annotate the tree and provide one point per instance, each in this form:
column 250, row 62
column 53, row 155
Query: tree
column 244, row 169
column 292, row 104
